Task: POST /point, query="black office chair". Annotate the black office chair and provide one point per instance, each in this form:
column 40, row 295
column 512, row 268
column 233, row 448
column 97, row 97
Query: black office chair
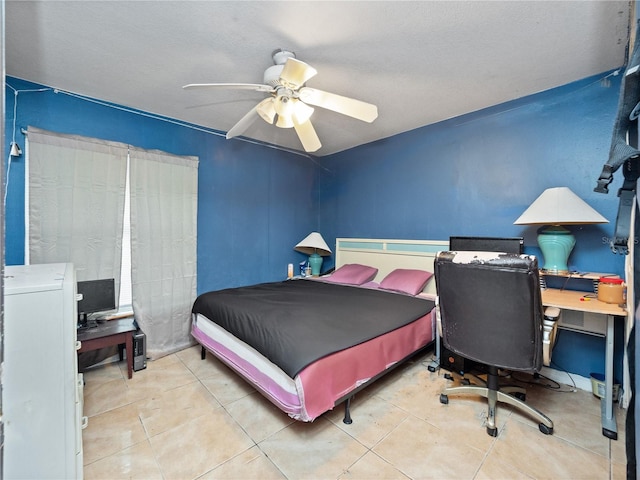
column 491, row 312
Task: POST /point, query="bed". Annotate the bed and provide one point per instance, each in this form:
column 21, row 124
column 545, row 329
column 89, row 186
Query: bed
column 309, row 345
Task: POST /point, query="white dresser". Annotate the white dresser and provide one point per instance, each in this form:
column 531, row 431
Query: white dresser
column 42, row 391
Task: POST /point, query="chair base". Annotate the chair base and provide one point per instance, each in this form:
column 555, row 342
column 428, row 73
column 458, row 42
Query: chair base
column 505, row 395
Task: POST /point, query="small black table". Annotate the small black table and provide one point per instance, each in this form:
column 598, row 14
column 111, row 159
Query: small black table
column 107, row 334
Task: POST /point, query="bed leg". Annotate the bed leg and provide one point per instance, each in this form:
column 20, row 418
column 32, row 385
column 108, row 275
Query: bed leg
column 203, row 353
column 347, row 411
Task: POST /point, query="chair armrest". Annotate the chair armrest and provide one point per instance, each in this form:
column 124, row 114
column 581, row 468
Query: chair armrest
column 551, row 313
column 550, row 328
column 438, row 320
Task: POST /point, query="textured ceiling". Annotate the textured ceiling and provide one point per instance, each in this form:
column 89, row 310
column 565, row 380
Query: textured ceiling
column 419, row 62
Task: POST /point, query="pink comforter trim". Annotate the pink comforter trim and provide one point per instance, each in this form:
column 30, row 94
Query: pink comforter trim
column 329, row 379
column 334, row 376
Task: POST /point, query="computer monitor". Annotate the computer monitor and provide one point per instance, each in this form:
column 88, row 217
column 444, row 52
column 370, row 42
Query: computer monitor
column 487, row 244
column 97, row 296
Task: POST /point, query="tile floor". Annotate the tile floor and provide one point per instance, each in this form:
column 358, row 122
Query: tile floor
column 184, row 418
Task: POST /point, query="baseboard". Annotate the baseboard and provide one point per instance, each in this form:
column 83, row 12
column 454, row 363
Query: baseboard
column 583, row 383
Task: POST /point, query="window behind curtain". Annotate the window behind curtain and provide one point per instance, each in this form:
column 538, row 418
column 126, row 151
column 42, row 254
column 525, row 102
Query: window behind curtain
column 126, row 302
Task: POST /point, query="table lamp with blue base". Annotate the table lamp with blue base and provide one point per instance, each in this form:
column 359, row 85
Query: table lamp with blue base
column 556, row 207
column 556, row 243
column 314, row 246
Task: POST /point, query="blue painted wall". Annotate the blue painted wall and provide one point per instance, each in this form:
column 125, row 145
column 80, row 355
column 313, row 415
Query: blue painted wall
column 475, row 175
column 472, row 175
column 254, row 203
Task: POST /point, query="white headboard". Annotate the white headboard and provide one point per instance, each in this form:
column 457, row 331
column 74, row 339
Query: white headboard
column 387, row 255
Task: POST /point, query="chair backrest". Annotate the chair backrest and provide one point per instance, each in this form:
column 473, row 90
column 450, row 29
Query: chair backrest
column 491, row 307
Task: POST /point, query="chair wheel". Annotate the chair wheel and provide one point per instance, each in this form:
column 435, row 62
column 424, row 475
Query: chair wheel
column 431, row 368
column 520, row 396
column 448, row 376
column 465, row 381
column 444, row 399
column 546, row 430
column 492, row 431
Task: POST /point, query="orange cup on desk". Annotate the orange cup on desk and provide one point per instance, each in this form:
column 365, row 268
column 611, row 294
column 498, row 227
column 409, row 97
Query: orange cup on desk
column 611, row 290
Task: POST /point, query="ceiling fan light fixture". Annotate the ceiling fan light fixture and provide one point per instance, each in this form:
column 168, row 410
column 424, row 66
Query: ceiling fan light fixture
column 284, row 121
column 302, row 112
column 283, row 105
column 266, row 110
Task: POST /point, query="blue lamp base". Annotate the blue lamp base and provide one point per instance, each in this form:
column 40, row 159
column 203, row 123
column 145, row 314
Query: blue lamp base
column 556, row 243
column 315, row 262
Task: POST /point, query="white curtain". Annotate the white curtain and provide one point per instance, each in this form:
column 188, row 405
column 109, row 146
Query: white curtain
column 164, row 201
column 75, row 196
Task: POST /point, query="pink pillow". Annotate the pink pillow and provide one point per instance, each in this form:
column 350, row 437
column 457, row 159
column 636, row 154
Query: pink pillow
column 406, row 281
column 352, row 274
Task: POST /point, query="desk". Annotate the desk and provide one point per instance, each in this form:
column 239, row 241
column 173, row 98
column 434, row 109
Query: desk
column 107, row 334
column 570, row 300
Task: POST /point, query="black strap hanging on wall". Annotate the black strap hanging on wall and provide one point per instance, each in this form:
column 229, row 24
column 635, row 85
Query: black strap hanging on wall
column 624, row 151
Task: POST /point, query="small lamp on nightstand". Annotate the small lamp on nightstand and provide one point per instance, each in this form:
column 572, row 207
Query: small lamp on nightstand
column 314, row 246
column 556, row 207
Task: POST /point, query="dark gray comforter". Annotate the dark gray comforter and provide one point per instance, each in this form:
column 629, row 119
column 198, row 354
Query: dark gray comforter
column 296, row 322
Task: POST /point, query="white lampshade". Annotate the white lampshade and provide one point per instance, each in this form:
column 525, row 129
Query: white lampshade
column 559, row 206
column 556, row 207
column 313, row 243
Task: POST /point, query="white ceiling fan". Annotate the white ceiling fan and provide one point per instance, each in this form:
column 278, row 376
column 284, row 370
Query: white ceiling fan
column 289, row 100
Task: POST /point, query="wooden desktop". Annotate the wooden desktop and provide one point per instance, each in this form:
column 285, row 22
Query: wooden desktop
column 583, row 301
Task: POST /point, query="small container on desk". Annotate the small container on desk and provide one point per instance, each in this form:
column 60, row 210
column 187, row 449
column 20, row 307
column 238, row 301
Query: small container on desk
column 611, row 290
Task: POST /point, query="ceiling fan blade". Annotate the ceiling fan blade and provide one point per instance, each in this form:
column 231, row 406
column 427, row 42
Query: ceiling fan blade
column 296, row 72
column 307, row 135
column 231, row 86
column 244, row 123
column 364, row 111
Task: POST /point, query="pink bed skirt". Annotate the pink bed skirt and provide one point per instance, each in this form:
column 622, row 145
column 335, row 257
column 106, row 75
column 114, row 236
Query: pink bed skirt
column 319, row 385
